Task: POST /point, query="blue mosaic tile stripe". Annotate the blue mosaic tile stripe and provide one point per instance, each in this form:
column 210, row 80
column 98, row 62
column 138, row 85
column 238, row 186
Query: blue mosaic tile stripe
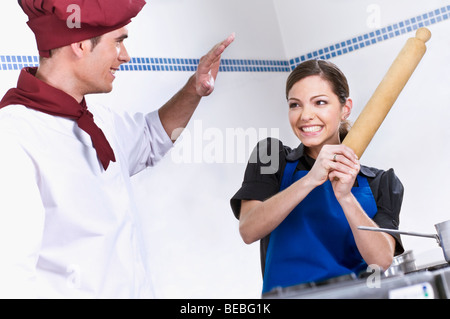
column 227, row 65
column 376, row 36
column 233, row 65
column 17, row 62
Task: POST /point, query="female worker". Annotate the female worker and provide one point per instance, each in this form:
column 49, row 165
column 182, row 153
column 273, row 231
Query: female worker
column 306, row 213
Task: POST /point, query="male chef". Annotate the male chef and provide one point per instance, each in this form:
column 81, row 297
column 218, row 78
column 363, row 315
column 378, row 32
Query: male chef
column 68, row 222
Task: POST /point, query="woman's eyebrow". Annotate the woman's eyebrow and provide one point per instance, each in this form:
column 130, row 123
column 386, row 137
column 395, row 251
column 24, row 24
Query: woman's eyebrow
column 311, row 98
column 319, row 95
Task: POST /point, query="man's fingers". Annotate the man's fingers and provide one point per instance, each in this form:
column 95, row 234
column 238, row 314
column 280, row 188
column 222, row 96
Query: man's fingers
column 214, row 54
column 220, row 47
column 208, row 67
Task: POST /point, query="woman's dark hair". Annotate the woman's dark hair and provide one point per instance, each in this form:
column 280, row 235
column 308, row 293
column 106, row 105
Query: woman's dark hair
column 331, row 73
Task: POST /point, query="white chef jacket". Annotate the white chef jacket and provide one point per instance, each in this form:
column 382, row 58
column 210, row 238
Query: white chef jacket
column 68, row 228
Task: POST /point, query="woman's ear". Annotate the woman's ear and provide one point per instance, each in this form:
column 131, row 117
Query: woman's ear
column 347, row 109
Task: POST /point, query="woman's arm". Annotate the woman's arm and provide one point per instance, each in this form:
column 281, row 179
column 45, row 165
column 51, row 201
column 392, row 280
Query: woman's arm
column 375, row 247
column 260, row 218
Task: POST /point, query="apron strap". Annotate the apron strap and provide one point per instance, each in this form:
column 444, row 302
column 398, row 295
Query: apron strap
column 362, row 181
column 288, row 174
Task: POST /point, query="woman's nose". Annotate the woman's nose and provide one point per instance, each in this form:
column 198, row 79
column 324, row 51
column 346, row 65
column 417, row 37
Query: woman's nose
column 307, row 114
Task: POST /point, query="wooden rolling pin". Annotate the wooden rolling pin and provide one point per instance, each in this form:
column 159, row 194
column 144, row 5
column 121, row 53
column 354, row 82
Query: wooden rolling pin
column 375, row 111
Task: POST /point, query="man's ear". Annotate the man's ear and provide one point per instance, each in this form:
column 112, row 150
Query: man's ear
column 80, row 48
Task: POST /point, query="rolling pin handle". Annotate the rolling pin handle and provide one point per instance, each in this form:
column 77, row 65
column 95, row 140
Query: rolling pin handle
column 423, row 34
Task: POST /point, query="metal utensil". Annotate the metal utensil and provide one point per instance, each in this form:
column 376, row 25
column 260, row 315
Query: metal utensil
column 443, row 230
column 393, row 231
column 442, row 237
column 402, row 264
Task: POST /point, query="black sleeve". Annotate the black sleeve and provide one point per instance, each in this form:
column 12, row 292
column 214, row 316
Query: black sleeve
column 263, row 174
column 388, row 193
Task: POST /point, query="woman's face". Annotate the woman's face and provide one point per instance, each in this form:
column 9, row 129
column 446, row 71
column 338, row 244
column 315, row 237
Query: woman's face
column 315, row 112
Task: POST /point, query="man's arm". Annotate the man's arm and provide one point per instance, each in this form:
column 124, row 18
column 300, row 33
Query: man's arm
column 22, row 218
column 176, row 113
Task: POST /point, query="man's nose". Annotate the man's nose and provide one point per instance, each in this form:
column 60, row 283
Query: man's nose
column 123, row 55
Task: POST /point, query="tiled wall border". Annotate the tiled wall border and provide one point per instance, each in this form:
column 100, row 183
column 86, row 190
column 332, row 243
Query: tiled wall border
column 17, row 62
column 376, row 36
column 227, row 65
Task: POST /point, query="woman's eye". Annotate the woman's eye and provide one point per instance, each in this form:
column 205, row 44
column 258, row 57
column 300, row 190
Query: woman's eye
column 321, row 102
column 293, row 105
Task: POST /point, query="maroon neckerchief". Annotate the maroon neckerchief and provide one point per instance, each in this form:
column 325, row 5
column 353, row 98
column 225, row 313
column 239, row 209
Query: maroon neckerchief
column 38, row 95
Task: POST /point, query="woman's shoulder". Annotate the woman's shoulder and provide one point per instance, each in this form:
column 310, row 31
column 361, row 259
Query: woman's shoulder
column 272, row 145
column 382, row 178
column 272, row 154
column 273, row 142
column 373, row 172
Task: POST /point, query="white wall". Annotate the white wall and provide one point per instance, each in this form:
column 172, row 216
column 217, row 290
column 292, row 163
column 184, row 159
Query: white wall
column 310, row 25
column 194, row 247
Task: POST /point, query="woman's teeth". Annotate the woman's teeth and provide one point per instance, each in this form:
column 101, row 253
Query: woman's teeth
column 311, row 129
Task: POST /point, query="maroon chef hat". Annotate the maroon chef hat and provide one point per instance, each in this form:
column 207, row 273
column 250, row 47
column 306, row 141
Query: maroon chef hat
column 57, row 23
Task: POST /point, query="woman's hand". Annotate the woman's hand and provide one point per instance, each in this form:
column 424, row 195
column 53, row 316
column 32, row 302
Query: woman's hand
column 343, row 176
column 339, row 164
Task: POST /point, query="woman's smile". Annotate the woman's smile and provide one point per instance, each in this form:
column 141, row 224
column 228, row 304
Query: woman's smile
column 311, row 128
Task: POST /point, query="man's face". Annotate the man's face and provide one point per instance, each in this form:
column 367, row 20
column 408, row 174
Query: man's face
column 98, row 68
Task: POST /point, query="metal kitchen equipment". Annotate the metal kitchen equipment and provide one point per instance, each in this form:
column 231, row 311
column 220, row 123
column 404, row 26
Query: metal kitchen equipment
column 442, row 237
column 402, row 264
column 443, row 230
column 429, row 283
